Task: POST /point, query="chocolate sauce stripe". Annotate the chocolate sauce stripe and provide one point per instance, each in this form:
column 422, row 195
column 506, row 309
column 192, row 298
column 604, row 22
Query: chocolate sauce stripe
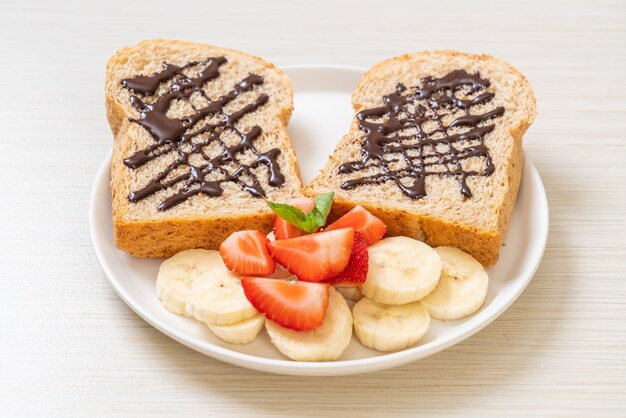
column 177, row 135
column 149, row 84
column 213, row 163
column 443, row 161
column 143, row 156
column 162, row 128
column 473, row 134
column 384, row 138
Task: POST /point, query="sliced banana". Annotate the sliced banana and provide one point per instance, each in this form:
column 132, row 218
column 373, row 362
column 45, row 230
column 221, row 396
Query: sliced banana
column 217, row 298
column 389, row 327
column 177, row 273
column 352, row 293
column 241, row 332
column 401, row 270
column 462, row 288
column 325, row 343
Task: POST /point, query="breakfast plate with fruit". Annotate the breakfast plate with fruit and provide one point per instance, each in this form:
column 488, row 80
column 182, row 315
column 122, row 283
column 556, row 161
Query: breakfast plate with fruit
column 319, row 282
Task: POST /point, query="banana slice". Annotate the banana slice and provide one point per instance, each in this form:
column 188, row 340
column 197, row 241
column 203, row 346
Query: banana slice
column 462, row 288
column 240, row 333
column 352, row 293
column 217, row 298
column 389, row 327
column 324, row 343
column 176, row 275
column 401, row 270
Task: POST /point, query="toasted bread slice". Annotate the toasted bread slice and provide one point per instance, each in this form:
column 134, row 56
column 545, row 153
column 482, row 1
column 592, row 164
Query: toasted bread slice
column 200, row 140
column 435, row 149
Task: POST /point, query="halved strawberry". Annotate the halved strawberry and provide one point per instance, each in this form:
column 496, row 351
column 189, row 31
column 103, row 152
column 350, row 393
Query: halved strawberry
column 316, row 257
column 362, row 221
column 355, row 272
column 283, row 229
column 300, row 306
column 245, row 253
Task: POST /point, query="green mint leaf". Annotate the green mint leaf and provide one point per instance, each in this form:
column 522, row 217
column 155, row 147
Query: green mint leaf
column 307, row 223
column 293, row 215
column 318, row 217
column 323, row 202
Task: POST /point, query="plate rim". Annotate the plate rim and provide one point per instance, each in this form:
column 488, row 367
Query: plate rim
column 340, row 367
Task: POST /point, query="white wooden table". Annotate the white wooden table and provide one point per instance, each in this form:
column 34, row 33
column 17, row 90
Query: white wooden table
column 69, row 345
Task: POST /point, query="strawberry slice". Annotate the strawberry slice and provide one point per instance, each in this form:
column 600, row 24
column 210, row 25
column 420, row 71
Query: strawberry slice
column 245, row 253
column 362, row 221
column 316, row 257
column 355, row 272
column 283, row 229
column 300, row 306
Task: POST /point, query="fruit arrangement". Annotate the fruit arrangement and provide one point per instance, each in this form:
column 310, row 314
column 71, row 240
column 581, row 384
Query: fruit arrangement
column 296, row 282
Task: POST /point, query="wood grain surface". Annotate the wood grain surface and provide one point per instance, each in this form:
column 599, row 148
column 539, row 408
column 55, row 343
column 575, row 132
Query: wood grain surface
column 70, row 347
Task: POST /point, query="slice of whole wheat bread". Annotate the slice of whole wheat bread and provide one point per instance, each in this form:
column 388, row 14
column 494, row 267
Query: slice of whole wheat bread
column 434, row 172
column 242, row 97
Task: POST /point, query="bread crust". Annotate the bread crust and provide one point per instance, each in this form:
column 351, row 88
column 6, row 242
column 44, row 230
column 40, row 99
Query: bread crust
column 167, row 235
column 482, row 243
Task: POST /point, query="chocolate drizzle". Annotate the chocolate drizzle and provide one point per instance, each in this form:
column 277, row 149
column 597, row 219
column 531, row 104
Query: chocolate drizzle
column 409, row 158
column 190, row 135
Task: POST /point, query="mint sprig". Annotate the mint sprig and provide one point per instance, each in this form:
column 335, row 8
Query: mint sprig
column 307, row 223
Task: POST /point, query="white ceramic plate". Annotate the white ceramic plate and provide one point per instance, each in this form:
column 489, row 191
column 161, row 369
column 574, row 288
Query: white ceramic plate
column 322, row 115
